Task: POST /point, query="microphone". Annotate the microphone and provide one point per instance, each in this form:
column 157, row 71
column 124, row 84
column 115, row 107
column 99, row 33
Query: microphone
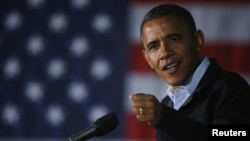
column 100, row 127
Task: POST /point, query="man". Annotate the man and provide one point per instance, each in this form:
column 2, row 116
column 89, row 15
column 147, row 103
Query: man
column 201, row 93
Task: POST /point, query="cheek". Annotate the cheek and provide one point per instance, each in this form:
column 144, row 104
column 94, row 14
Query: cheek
column 153, row 59
column 150, row 59
column 188, row 62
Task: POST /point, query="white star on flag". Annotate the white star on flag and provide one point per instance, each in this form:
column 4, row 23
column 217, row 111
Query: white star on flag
column 100, row 69
column 55, row 114
column 102, row 23
column 10, row 114
column 35, row 45
column 13, row 20
column 58, row 22
column 34, row 91
column 35, row 3
column 79, row 4
column 12, row 67
column 56, row 68
column 79, row 46
column 78, row 92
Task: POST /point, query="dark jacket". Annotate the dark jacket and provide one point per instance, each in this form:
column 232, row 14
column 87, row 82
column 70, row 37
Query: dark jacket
column 221, row 98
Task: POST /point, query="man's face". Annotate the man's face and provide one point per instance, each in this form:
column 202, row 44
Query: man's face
column 170, row 49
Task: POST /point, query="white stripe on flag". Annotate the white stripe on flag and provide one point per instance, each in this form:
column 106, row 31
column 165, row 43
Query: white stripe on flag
column 148, row 83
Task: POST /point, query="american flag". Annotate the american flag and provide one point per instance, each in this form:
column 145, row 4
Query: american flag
column 65, row 63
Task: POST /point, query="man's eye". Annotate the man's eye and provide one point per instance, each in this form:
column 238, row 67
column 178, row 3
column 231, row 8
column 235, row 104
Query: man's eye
column 174, row 39
column 152, row 46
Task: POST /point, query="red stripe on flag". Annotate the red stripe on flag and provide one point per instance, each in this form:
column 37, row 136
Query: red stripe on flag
column 137, row 63
column 136, row 130
column 232, row 56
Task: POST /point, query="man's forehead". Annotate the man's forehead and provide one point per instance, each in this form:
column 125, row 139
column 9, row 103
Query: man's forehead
column 166, row 23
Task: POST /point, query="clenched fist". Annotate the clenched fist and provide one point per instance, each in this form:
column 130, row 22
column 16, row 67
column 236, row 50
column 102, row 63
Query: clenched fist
column 146, row 107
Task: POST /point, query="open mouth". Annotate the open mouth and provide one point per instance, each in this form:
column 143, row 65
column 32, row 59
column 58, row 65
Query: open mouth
column 170, row 66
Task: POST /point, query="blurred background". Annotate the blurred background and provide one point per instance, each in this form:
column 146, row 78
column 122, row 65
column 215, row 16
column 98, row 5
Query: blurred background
column 65, row 63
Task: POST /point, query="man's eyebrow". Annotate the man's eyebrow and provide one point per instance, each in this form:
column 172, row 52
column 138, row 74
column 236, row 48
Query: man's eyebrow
column 173, row 35
column 151, row 42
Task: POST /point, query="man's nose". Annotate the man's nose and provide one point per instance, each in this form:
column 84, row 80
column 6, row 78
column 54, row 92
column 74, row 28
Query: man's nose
column 165, row 51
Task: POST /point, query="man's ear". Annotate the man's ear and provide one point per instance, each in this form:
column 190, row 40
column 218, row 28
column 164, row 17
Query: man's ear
column 145, row 55
column 199, row 36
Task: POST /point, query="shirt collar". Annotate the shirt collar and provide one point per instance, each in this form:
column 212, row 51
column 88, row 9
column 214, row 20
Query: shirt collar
column 193, row 81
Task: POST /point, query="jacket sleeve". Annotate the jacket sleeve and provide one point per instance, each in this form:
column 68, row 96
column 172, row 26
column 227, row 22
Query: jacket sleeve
column 173, row 126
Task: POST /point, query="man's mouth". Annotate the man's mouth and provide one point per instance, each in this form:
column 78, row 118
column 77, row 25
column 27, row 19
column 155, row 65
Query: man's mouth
column 172, row 65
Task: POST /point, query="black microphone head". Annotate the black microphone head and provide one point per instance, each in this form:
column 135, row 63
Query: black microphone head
column 106, row 124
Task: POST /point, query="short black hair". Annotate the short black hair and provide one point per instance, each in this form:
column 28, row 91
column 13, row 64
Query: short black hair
column 183, row 15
